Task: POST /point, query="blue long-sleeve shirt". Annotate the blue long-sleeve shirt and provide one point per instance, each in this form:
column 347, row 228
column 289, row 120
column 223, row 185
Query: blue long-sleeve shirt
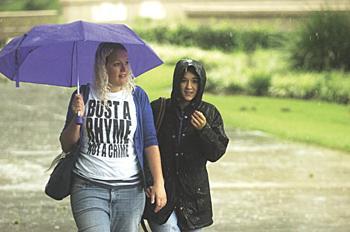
column 145, row 134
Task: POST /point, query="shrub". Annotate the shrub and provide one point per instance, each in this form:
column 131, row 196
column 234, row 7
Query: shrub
column 215, row 38
column 235, row 86
column 332, row 86
column 323, row 42
column 335, row 88
column 251, row 40
column 220, row 80
column 259, row 83
column 294, row 85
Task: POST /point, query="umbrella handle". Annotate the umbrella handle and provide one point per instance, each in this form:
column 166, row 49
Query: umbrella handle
column 79, row 119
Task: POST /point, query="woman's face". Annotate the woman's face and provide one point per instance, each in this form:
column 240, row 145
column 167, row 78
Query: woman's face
column 118, row 68
column 189, row 86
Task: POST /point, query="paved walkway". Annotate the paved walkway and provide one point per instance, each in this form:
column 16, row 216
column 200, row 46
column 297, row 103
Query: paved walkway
column 261, row 185
column 264, row 184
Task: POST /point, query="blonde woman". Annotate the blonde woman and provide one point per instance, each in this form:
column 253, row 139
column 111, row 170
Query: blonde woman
column 108, row 186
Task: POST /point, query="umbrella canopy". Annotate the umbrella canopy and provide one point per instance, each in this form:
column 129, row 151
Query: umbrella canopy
column 64, row 54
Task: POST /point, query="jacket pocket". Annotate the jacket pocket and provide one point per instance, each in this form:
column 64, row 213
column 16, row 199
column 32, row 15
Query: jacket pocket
column 202, row 198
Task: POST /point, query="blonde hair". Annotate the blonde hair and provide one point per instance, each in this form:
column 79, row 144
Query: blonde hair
column 101, row 84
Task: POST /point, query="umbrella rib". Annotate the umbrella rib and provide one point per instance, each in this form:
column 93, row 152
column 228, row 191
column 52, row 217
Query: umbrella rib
column 17, row 60
column 73, row 62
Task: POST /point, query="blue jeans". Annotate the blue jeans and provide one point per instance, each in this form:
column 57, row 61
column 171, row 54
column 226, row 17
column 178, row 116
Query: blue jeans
column 169, row 226
column 97, row 208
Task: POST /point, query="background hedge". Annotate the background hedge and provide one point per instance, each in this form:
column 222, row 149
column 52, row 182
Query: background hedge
column 224, row 37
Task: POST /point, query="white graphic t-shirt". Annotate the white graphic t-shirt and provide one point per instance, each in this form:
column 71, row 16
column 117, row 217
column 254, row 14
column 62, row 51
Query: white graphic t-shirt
column 107, row 152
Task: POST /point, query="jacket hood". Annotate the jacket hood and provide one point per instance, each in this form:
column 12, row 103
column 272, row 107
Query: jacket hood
column 180, row 68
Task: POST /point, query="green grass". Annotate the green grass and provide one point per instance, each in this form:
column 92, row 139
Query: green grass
column 313, row 122
column 157, row 82
column 308, row 121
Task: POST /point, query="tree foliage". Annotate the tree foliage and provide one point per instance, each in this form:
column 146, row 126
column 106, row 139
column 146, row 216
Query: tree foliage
column 18, row 5
column 323, row 42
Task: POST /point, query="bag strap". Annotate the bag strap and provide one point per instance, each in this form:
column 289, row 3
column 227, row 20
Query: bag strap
column 143, row 225
column 161, row 113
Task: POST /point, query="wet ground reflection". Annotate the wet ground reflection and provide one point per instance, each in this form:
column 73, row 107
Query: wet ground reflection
column 265, row 184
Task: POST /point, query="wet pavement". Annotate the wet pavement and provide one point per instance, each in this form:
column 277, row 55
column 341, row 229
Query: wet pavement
column 265, row 184
column 261, row 184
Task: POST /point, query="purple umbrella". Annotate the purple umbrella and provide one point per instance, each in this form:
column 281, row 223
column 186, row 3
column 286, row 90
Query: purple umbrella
column 63, row 54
